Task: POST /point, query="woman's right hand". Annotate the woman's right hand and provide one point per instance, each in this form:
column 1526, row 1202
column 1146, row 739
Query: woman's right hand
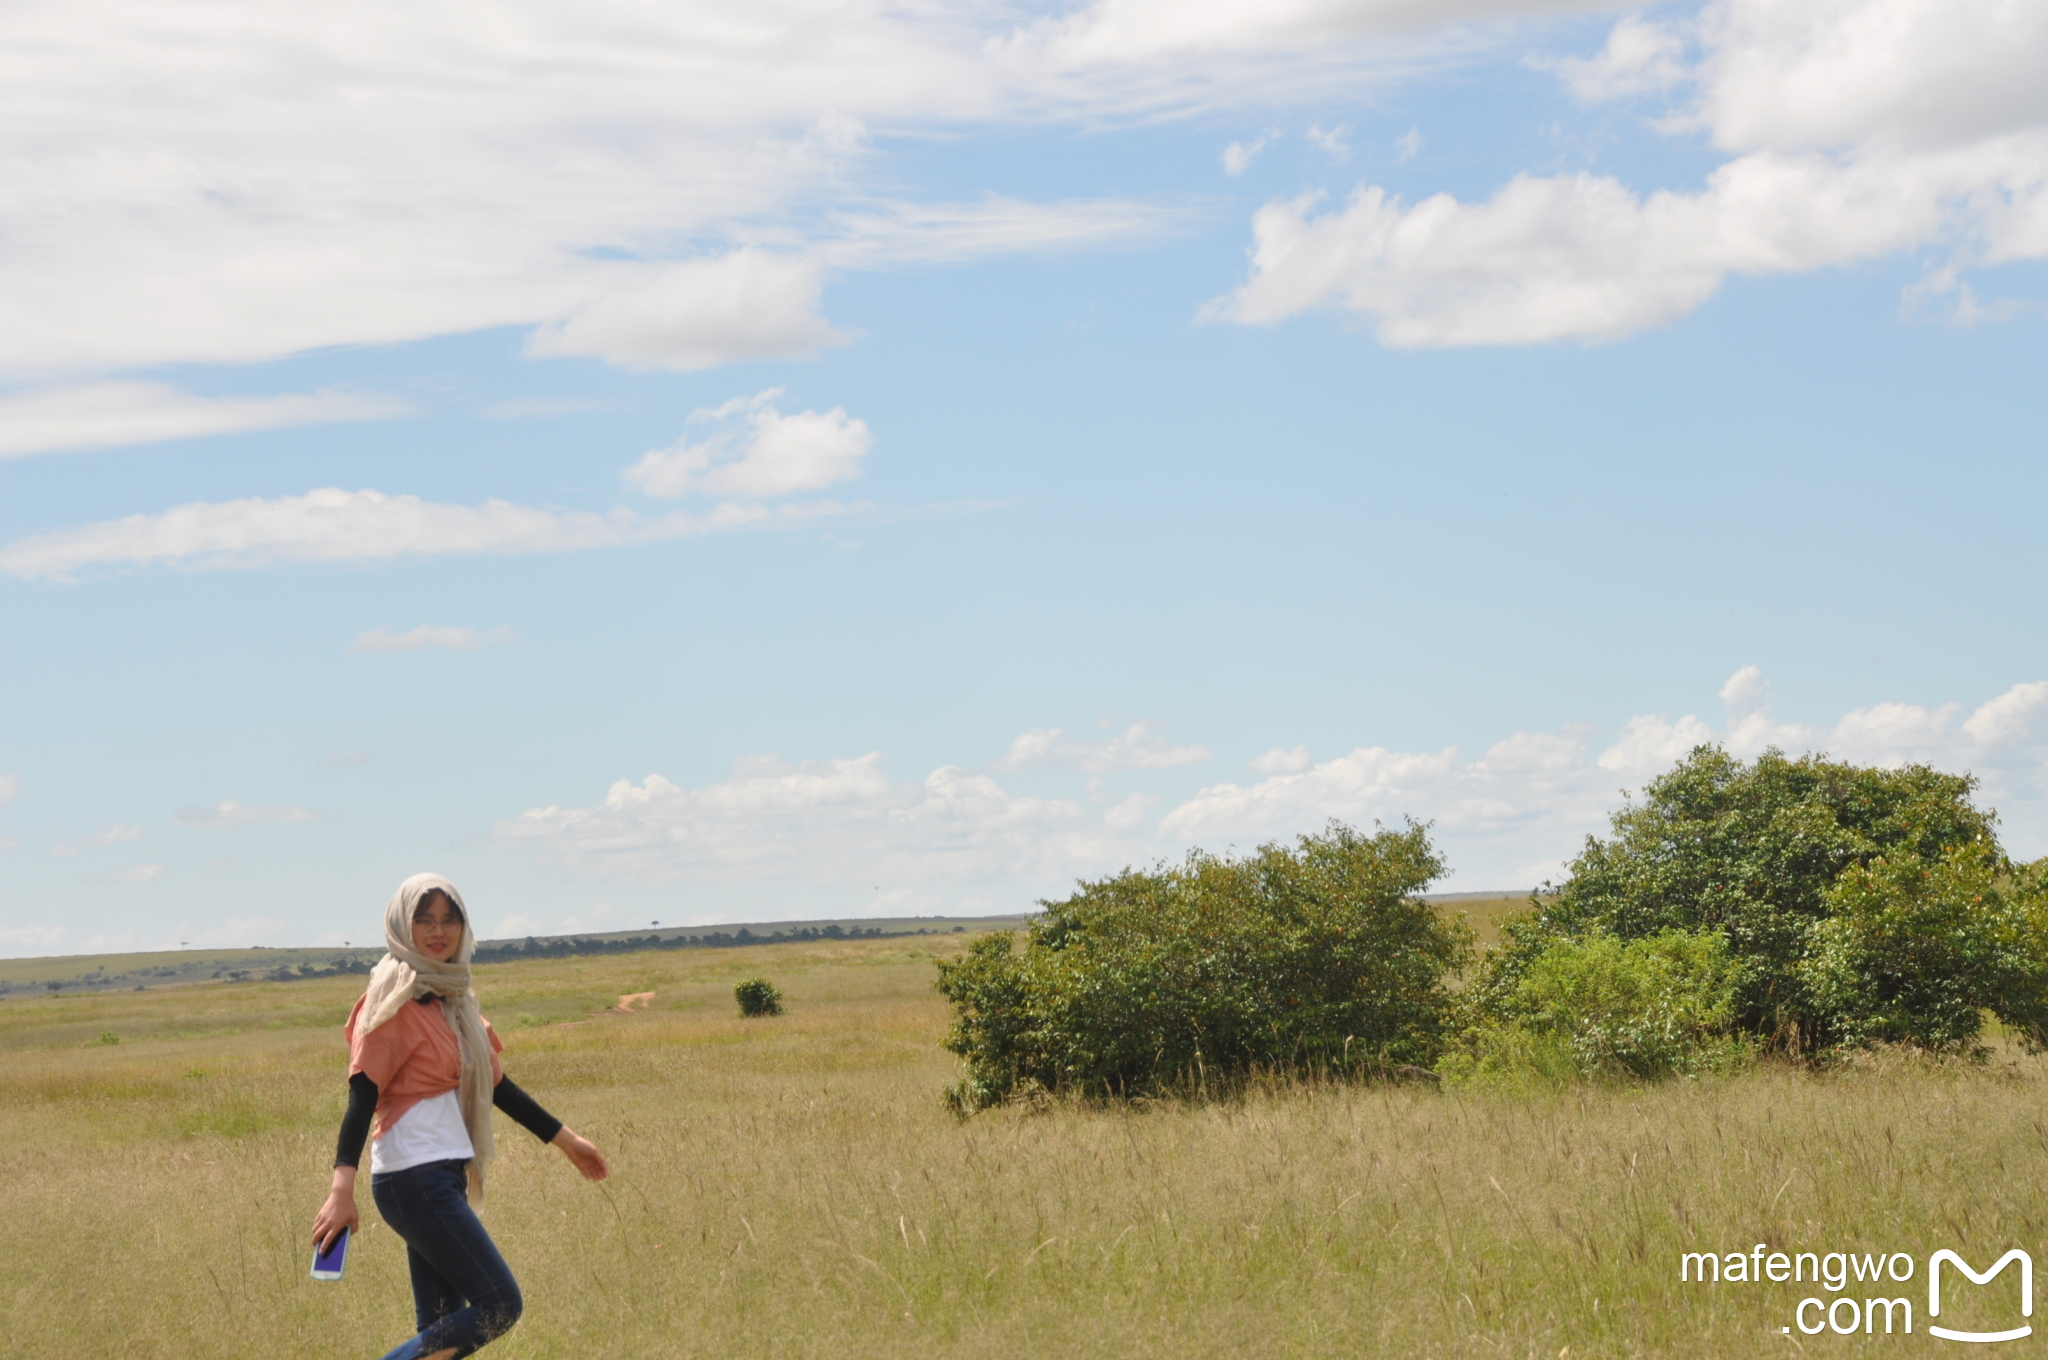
column 339, row 1211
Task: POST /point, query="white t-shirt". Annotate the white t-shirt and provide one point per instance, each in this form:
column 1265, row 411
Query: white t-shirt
column 431, row 1131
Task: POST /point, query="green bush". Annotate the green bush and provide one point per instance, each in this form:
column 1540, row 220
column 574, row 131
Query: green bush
column 1753, row 852
column 758, row 996
column 1320, row 956
column 1599, row 1006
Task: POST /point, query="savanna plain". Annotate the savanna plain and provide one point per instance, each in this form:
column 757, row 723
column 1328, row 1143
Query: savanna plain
column 793, row 1186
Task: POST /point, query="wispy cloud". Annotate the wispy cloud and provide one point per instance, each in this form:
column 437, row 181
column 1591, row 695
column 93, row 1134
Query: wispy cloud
column 232, row 813
column 1331, row 140
column 332, row 525
column 427, row 637
column 113, row 835
column 104, row 414
column 1137, row 747
column 1640, row 58
column 1238, row 156
column 1288, row 760
column 897, row 233
column 10, row 788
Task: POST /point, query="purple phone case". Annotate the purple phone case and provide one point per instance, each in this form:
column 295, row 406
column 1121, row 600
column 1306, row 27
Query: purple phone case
column 327, row 1265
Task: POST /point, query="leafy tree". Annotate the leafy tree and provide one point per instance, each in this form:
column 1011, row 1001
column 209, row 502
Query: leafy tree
column 1916, row 950
column 1321, row 954
column 1754, row 851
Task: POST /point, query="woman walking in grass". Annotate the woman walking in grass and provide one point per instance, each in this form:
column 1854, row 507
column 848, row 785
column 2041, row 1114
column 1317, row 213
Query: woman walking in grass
column 424, row 1061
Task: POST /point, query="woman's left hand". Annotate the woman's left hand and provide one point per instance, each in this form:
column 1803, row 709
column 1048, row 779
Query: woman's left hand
column 584, row 1153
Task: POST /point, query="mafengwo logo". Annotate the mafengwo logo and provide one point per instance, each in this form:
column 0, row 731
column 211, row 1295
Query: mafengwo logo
column 1862, row 1285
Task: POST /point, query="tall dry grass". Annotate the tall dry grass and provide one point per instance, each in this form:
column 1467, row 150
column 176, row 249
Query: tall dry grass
column 791, row 1187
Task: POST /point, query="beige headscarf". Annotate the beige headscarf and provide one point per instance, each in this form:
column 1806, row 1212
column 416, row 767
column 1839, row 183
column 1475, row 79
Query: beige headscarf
column 404, row 974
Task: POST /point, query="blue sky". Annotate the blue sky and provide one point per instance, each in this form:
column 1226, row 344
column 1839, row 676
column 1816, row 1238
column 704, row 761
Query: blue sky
column 709, row 463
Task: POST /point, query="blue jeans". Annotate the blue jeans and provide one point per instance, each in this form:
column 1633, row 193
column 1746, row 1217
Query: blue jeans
column 462, row 1293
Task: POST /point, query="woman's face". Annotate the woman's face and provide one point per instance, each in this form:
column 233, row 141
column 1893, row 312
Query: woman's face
column 436, row 927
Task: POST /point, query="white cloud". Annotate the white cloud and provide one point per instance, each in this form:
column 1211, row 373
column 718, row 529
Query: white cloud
column 1640, row 58
column 1408, row 145
column 113, row 835
column 232, row 813
column 1747, row 700
column 748, row 304
column 1512, row 817
column 10, row 789
column 42, row 938
column 659, row 185
column 1135, row 748
column 770, row 455
column 1158, row 33
column 1292, row 760
column 1841, row 72
column 1238, row 156
column 32, row 940
column 1508, row 818
column 333, row 525
column 822, row 821
column 1896, row 733
column 1652, row 741
column 2009, row 718
column 140, row 873
column 760, row 453
column 1746, row 692
column 428, row 637
column 1129, row 813
column 1858, row 129
column 104, row 414
column 1505, row 818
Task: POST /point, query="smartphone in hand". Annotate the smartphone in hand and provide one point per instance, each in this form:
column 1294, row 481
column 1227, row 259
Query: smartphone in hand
column 327, row 1264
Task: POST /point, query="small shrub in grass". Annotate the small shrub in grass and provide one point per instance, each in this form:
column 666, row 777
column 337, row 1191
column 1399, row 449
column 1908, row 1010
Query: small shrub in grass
column 757, row 996
column 1320, row 957
column 1600, row 1006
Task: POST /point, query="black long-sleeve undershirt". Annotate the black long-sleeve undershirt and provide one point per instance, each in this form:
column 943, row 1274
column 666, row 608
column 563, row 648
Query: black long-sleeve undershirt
column 362, row 1106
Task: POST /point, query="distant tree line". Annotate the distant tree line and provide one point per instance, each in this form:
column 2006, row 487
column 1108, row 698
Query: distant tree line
column 571, row 946
column 488, row 951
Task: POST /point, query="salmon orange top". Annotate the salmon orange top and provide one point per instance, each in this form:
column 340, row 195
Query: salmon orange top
column 411, row 1056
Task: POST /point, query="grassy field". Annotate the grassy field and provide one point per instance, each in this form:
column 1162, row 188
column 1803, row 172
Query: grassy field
column 792, row 1187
